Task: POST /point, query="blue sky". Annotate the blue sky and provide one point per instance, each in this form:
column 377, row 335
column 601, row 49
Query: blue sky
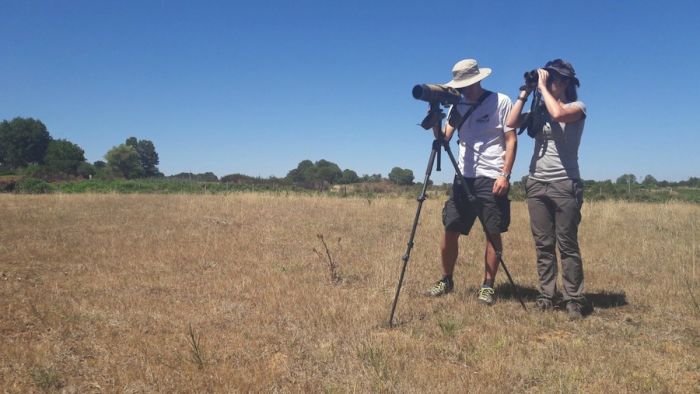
column 256, row 87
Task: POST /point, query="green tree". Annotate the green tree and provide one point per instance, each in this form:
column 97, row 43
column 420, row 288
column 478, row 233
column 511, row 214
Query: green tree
column 23, row 141
column 64, row 156
column 32, row 171
column 147, row 155
column 123, row 160
column 626, row 178
column 205, row 177
column 240, row 179
column 86, row 170
column 149, row 158
column 327, row 171
column 649, row 181
column 304, row 173
column 349, row 176
column 105, row 174
column 401, row 176
column 371, row 178
column 311, row 174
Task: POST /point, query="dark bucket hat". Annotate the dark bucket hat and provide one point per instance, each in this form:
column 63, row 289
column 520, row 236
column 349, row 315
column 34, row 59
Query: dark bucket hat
column 565, row 69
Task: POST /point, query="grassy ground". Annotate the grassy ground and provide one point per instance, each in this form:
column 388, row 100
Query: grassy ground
column 201, row 293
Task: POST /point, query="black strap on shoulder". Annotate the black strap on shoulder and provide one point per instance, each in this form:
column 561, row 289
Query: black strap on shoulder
column 473, row 108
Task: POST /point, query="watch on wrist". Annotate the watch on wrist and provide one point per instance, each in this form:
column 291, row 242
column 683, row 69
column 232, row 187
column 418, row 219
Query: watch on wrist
column 505, row 175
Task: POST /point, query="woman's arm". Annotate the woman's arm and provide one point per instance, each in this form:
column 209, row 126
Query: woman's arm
column 515, row 117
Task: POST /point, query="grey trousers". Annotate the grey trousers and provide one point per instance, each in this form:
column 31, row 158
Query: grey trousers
column 555, row 213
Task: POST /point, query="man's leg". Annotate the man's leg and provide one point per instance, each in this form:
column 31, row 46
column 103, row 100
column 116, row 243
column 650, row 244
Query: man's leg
column 448, row 253
column 486, row 291
column 457, row 219
column 449, row 249
column 493, row 245
column 494, row 214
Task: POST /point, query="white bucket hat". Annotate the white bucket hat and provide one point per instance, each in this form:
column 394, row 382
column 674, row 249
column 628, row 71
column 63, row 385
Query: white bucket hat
column 467, row 72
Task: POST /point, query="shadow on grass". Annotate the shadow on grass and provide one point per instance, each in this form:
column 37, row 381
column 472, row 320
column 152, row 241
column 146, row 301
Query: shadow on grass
column 602, row 300
column 607, row 299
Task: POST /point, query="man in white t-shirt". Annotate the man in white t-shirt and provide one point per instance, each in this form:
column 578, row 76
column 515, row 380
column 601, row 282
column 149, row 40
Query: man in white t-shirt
column 486, row 155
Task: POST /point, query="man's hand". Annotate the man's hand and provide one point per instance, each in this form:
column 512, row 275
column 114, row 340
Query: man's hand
column 437, row 130
column 501, row 186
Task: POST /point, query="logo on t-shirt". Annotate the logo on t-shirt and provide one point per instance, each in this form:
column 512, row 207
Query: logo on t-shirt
column 483, row 119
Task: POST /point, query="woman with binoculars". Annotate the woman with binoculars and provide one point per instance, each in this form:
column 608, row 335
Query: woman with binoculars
column 554, row 187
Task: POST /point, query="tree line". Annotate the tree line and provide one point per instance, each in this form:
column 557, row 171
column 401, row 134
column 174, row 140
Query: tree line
column 317, row 175
column 27, row 148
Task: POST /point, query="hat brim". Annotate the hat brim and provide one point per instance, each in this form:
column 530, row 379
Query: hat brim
column 462, row 83
column 564, row 73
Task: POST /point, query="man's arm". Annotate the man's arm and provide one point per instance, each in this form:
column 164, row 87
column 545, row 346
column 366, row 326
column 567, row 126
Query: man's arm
column 502, row 184
column 449, row 130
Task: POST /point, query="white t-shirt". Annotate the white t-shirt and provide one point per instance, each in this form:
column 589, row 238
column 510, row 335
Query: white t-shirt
column 481, row 138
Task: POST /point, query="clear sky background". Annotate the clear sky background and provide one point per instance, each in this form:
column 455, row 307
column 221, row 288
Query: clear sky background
column 256, row 87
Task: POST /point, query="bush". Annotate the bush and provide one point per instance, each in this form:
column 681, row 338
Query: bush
column 64, row 157
column 124, row 162
column 104, row 173
column 401, row 176
column 31, row 171
column 188, row 176
column 33, row 186
column 86, row 170
column 8, row 183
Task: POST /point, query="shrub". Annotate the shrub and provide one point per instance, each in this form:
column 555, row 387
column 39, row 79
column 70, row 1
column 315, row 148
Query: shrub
column 32, row 171
column 104, row 173
column 64, row 157
column 33, row 186
column 8, row 183
column 86, row 170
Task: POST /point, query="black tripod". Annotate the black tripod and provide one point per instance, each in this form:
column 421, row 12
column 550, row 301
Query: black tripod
column 436, row 115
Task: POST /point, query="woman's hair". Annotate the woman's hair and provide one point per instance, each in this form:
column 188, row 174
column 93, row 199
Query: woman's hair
column 565, row 71
column 570, row 91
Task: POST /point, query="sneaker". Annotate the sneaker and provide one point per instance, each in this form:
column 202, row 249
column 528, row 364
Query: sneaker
column 441, row 287
column 544, row 304
column 485, row 295
column 574, row 310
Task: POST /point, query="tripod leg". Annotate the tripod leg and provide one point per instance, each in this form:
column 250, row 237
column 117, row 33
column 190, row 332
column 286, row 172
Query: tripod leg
column 515, row 288
column 435, row 151
column 460, row 179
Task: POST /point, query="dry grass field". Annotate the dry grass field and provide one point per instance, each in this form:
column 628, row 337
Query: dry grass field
column 233, row 293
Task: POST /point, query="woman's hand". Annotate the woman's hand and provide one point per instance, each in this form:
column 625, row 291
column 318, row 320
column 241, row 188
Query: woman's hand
column 542, row 79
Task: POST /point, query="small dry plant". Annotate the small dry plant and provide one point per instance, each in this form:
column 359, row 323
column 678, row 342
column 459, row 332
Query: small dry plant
column 332, row 264
column 46, row 378
column 196, row 354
